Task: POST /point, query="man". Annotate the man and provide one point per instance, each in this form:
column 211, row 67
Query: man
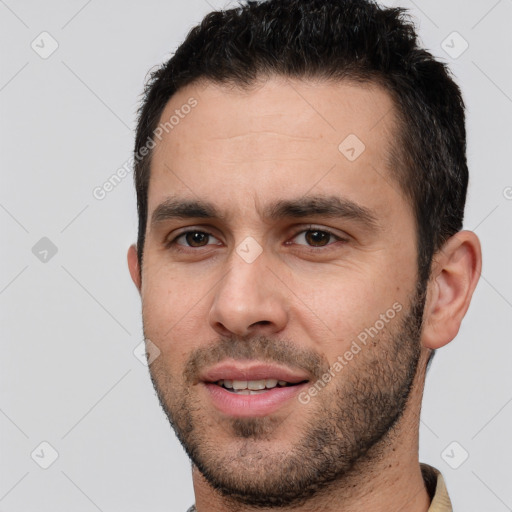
column 301, row 179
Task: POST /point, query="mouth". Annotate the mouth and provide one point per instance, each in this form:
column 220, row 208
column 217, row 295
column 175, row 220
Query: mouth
column 252, row 389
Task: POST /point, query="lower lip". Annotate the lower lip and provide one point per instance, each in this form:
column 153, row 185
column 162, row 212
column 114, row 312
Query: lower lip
column 244, row 406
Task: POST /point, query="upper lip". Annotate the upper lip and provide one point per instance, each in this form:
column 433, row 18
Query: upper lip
column 254, row 370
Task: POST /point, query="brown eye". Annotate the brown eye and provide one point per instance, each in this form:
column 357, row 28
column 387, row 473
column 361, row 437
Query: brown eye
column 194, row 239
column 317, row 238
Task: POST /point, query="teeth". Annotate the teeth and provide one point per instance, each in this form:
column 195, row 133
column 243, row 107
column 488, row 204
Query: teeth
column 256, row 384
column 249, row 392
column 251, row 385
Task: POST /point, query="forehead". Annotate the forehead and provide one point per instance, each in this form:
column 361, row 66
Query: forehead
column 280, row 138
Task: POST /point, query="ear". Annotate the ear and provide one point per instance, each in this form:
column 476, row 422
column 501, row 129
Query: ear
column 133, row 265
column 456, row 268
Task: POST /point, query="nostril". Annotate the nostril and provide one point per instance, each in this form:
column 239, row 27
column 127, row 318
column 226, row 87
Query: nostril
column 261, row 322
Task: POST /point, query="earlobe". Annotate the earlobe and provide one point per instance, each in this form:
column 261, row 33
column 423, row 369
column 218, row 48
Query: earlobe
column 455, row 272
column 133, row 265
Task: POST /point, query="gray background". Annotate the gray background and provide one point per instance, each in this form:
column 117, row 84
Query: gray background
column 71, row 320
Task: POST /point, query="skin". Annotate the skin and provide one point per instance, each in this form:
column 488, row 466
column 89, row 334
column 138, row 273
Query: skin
column 242, row 150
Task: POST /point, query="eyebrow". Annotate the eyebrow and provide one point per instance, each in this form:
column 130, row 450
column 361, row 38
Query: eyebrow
column 307, row 206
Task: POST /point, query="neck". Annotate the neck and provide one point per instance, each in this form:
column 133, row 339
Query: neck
column 389, row 477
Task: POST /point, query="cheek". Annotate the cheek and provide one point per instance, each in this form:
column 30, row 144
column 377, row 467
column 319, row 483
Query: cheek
column 166, row 295
column 335, row 309
column 174, row 315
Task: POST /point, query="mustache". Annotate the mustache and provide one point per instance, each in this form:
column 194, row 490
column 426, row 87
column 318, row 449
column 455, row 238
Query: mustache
column 260, row 348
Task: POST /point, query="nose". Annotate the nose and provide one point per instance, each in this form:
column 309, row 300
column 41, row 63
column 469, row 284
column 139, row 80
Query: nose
column 248, row 300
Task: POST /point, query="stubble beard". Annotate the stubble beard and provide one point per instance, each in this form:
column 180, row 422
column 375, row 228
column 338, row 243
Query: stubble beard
column 348, row 418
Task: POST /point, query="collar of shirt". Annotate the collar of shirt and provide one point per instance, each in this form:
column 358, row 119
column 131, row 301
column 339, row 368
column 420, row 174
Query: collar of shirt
column 436, row 488
column 434, row 482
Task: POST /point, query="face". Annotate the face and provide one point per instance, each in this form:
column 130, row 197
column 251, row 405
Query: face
column 279, row 283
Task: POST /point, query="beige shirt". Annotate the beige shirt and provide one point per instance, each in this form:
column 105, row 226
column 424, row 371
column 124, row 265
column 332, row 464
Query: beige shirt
column 436, row 488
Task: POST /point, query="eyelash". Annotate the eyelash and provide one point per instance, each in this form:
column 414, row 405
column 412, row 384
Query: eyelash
column 172, row 244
